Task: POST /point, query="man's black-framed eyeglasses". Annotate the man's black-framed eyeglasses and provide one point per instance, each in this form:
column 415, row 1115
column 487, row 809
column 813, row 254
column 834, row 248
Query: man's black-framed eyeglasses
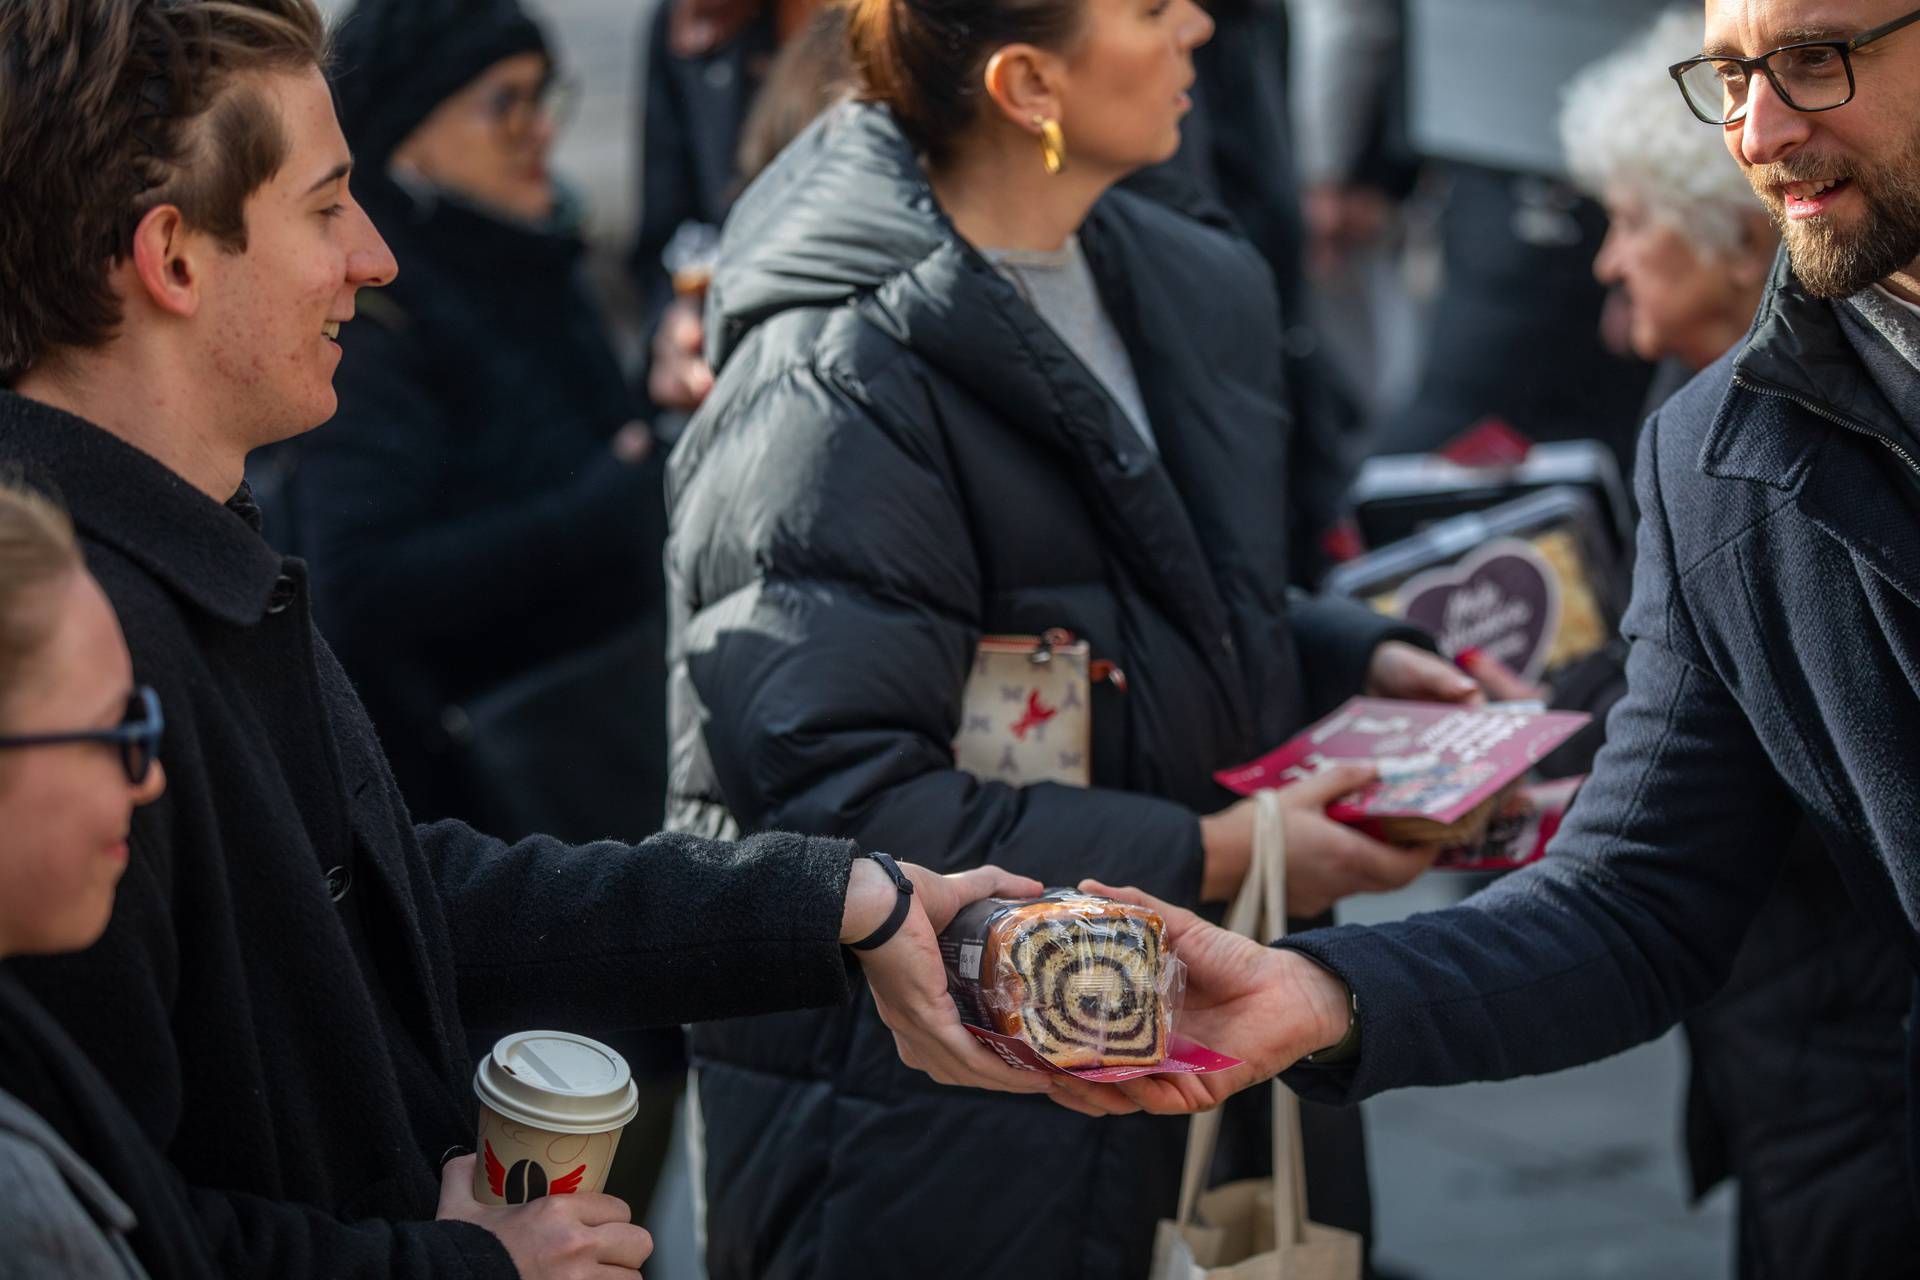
column 1816, row 75
column 137, row 736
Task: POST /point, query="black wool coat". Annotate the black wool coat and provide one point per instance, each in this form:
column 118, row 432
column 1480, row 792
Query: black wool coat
column 900, row 456
column 308, row 1089
column 1775, row 667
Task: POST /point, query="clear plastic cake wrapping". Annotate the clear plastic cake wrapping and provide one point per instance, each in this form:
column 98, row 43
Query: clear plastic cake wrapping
column 1073, row 983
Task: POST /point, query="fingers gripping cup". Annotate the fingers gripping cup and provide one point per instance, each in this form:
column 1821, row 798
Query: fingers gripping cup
column 552, row 1106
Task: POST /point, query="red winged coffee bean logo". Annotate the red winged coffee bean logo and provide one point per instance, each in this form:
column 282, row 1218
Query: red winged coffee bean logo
column 527, row 1179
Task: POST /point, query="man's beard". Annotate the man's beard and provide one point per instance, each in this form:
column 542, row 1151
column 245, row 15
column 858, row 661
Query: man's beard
column 1835, row 261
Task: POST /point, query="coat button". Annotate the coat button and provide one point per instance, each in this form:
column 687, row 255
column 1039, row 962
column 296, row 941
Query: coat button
column 283, row 592
column 339, row 881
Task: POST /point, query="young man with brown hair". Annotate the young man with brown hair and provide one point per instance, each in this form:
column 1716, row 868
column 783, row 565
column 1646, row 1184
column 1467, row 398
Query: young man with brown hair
column 282, row 994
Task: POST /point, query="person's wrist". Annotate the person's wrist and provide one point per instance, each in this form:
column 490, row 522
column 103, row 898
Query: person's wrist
column 1323, row 1001
column 870, row 899
column 1224, row 856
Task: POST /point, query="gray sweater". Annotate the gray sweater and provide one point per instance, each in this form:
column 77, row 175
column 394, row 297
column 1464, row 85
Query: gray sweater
column 61, row 1219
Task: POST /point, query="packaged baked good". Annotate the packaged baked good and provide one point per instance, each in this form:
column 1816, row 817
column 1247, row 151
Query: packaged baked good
column 1084, row 982
column 1536, row 583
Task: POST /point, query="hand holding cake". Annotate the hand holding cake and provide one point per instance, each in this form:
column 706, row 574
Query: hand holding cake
column 1269, row 1007
column 909, row 979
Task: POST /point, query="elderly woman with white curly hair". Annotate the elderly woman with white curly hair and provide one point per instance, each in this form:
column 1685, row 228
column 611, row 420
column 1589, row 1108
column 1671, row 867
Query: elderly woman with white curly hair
column 1797, row 1086
column 1689, row 248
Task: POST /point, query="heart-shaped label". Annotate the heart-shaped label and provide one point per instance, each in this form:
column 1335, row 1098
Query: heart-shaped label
column 1504, row 599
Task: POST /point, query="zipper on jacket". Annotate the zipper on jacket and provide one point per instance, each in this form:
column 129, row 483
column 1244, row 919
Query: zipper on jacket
column 1838, row 419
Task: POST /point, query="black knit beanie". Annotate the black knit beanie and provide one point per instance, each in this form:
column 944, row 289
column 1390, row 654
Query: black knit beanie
column 394, row 61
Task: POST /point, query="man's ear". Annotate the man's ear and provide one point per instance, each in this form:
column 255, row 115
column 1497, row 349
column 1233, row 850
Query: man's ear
column 167, row 258
column 1022, row 82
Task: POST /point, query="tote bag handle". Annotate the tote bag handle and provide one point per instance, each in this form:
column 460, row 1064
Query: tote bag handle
column 1258, row 912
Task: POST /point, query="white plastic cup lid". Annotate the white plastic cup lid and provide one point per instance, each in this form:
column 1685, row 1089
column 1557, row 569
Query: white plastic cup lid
column 557, row 1081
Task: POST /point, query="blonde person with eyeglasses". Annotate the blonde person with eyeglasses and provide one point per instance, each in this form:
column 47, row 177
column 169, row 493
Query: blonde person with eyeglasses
column 86, row 1196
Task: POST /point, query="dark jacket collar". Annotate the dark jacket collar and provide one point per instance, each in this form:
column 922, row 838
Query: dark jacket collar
column 1796, row 350
column 1834, row 457
column 210, row 554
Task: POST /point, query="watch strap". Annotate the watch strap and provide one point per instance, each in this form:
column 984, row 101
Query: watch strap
column 1347, row 1047
column 901, row 906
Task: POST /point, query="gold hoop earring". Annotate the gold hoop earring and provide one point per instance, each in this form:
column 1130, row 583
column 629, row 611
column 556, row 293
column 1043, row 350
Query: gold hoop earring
column 1053, row 145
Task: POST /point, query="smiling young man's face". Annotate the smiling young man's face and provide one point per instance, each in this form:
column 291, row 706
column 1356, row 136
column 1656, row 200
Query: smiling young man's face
column 273, row 311
column 1844, row 185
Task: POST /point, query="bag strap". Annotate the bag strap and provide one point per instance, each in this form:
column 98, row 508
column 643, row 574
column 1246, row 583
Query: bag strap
column 1259, row 912
column 1203, row 1131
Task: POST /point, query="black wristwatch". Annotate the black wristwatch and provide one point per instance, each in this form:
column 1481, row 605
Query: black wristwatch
column 901, row 906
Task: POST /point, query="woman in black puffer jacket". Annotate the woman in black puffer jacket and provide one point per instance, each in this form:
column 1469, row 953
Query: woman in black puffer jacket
column 961, row 395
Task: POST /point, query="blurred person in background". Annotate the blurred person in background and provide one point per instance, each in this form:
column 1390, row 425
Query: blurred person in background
column 483, row 517
column 1513, row 328
column 703, row 63
column 811, row 72
column 1688, row 249
column 87, row 1197
column 1346, row 95
column 1797, row 1087
column 967, row 388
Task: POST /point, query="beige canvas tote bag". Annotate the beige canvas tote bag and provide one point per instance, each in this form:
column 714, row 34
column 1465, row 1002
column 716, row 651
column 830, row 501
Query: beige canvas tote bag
column 1258, row 1229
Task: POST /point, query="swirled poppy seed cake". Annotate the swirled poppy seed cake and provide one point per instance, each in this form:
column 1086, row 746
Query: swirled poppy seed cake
column 1078, row 978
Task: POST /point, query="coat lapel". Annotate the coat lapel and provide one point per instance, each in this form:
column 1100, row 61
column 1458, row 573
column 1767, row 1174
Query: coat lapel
column 1802, row 417
column 1854, row 495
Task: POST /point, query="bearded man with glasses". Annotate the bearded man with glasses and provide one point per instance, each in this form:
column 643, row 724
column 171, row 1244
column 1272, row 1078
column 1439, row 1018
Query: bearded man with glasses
column 1775, row 666
column 1850, row 214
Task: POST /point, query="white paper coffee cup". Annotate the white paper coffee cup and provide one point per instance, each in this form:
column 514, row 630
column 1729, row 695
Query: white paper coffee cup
column 552, row 1107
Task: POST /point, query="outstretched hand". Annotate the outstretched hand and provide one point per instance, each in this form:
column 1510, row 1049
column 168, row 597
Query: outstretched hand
column 1264, row 1006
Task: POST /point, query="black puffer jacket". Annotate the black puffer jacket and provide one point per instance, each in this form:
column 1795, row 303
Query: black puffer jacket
column 899, row 456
